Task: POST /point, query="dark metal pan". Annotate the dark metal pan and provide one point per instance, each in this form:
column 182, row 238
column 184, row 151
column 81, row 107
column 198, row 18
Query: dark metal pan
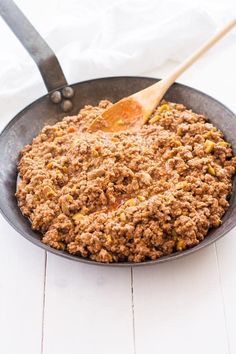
column 28, row 123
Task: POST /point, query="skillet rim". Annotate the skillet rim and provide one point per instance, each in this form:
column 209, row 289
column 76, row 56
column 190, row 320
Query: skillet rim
column 69, row 256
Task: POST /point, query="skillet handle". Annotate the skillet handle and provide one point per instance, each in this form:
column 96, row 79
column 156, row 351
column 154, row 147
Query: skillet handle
column 39, row 50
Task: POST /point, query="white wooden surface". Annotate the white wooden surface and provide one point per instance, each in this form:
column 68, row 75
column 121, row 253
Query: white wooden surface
column 51, row 305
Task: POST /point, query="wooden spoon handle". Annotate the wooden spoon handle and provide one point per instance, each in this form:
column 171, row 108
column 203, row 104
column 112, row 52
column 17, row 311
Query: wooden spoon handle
column 197, row 54
column 151, row 96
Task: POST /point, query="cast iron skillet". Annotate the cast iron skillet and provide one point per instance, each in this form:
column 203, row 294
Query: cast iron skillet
column 28, row 123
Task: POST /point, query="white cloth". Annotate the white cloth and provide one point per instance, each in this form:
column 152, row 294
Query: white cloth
column 104, row 38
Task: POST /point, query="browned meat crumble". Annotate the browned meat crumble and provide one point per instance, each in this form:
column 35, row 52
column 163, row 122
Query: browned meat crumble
column 126, row 196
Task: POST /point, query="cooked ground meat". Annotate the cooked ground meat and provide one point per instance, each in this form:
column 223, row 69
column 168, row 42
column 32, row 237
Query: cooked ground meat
column 126, row 196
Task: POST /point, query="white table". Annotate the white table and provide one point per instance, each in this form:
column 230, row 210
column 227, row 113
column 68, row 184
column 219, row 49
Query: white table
column 51, row 305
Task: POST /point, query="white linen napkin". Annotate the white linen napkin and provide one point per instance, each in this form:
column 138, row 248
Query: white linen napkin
column 102, row 38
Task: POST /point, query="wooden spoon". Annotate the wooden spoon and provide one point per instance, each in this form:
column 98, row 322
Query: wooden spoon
column 133, row 112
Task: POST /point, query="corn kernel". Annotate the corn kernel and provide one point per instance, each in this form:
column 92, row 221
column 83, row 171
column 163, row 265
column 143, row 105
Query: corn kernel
column 207, row 135
column 120, row 122
column 59, row 132
column 48, row 192
column 180, row 245
column 74, row 189
column 217, row 222
column 61, row 246
column 181, row 185
column 177, row 143
column 77, row 217
column 50, row 165
column 131, row 202
column 179, row 131
column 223, row 143
column 59, row 174
column 211, row 170
column 174, row 234
column 209, row 146
column 122, row 217
column 163, row 107
column 141, row 198
column 69, row 198
column 95, row 153
column 155, row 119
column 109, row 239
column 65, row 169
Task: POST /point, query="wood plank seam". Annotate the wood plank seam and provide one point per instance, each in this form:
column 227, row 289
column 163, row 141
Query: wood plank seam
column 222, row 297
column 132, row 298
column 44, row 298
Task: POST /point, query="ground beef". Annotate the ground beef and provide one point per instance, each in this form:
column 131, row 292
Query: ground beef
column 126, row 196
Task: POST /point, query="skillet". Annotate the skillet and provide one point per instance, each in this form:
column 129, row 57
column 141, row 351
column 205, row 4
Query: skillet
column 61, row 101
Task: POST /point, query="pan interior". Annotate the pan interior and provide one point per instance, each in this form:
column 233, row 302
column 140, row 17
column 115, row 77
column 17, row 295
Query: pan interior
column 28, row 123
